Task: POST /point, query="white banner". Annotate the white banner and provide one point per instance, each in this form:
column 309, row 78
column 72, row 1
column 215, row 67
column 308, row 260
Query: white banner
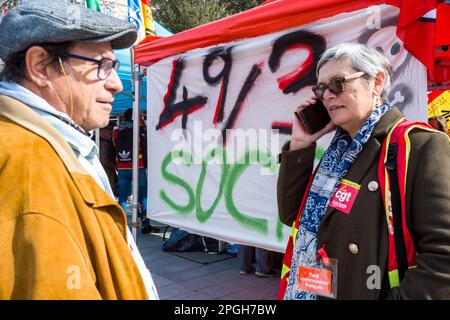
column 236, row 102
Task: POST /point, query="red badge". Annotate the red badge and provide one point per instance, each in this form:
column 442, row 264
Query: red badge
column 314, row 280
column 345, row 196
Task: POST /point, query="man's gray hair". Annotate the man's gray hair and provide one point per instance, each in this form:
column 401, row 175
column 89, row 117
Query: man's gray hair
column 361, row 58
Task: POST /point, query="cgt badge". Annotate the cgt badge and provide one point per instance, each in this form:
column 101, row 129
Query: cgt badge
column 345, row 196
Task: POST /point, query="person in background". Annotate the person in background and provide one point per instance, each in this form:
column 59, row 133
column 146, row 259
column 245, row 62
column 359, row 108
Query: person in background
column 108, row 157
column 123, row 143
column 439, row 123
column 62, row 234
column 263, row 260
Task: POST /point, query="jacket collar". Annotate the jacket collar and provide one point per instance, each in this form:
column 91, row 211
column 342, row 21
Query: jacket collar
column 386, row 123
column 373, row 145
column 23, row 116
column 370, row 154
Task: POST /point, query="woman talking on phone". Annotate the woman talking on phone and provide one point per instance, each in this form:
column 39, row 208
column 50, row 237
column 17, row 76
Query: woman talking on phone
column 372, row 221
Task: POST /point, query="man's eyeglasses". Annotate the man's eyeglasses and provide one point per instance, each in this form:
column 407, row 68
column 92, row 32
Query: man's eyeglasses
column 336, row 85
column 105, row 65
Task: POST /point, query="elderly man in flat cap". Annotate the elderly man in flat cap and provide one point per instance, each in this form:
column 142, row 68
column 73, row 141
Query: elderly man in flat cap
column 62, row 235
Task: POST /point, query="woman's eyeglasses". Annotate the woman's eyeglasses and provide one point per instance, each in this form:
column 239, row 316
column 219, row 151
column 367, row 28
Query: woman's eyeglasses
column 336, row 85
column 105, row 65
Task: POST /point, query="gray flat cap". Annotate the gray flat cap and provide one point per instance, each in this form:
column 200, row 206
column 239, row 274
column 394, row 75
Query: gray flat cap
column 55, row 21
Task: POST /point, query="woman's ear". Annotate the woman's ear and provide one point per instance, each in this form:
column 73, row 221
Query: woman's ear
column 379, row 83
column 37, row 67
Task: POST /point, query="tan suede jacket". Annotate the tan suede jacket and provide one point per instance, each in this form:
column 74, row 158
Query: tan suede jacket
column 61, row 235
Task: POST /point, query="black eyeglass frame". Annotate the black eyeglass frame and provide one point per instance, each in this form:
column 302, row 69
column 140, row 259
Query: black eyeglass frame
column 336, row 85
column 115, row 63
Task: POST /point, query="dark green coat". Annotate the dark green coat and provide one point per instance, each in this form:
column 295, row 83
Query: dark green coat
column 428, row 213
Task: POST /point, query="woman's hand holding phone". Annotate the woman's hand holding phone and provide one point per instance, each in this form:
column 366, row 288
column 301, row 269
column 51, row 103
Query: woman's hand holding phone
column 301, row 138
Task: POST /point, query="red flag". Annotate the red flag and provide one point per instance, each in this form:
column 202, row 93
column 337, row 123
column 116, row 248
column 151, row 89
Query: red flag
column 442, row 25
column 416, row 28
column 442, row 43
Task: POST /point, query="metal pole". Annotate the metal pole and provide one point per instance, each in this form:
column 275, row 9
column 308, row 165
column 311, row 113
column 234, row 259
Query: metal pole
column 135, row 79
column 136, row 115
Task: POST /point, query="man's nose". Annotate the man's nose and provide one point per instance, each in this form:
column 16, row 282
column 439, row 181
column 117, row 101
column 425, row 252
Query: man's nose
column 113, row 82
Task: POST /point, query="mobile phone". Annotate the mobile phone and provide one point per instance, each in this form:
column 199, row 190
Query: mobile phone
column 314, row 117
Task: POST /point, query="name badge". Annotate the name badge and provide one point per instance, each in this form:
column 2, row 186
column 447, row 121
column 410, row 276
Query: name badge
column 345, row 196
column 321, row 280
column 314, row 280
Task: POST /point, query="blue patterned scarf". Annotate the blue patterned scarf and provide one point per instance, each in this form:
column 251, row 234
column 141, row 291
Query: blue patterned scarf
column 335, row 163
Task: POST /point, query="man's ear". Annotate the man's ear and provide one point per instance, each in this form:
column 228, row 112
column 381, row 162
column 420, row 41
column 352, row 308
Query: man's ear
column 37, row 66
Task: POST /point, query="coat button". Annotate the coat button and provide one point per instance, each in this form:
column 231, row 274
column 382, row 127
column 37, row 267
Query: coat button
column 353, row 248
column 373, row 186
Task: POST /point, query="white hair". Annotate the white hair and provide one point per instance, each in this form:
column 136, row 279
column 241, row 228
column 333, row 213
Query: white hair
column 361, row 58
